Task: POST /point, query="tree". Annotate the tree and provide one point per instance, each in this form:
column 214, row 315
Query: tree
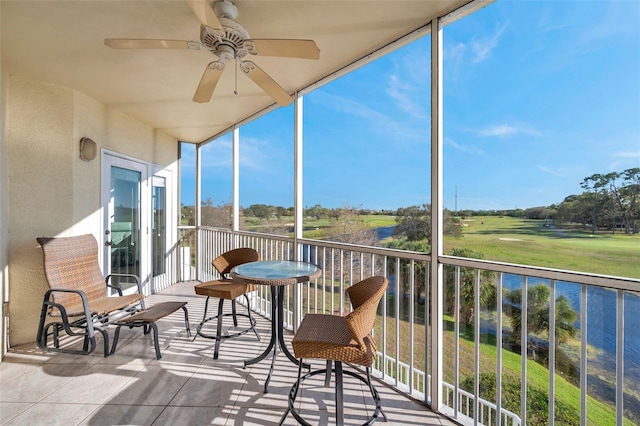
column 419, row 268
column 217, row 216
column 538, row 314
column 594, row 184
column 539, row 213
column 261, row 211
column 614, row 199
column 414, row 223
column 575, row 208
column 625, row 188
column 466, row 288
column 350, row 228
column 188, row 216
column 317, row 211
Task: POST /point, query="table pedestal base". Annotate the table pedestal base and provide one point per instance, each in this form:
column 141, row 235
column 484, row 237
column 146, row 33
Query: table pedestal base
column 277, row 336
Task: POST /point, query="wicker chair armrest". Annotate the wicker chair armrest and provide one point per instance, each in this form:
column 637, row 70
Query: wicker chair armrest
column 119, row 289
column 117, row 286
column 63, row 312
column 359, row 326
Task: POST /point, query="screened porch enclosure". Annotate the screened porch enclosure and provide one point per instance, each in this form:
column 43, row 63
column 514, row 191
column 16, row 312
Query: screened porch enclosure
column 500, row 341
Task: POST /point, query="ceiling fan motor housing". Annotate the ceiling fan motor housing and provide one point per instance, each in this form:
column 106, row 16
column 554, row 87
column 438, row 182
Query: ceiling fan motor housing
column 225, row 9
column 227, row 46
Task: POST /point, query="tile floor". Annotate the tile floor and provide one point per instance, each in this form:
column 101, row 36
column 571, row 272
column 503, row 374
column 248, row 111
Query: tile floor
column 185, row 387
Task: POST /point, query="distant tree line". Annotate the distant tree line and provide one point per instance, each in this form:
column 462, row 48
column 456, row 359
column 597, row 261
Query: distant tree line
column 220, row 215
column 609, row 201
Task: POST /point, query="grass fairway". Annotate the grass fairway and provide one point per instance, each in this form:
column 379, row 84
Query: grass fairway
column 532, row 242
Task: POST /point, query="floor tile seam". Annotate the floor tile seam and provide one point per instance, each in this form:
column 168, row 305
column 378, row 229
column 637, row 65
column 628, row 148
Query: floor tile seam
column 97, row 407
column 64, row 382
column 117, row 389
column 31, row 405
column 191, row 374
column 159, row 415
column 100, row 407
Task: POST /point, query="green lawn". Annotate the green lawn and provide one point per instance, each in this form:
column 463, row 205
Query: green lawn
column 515, row 240
column 529, row 242
column 316, row 228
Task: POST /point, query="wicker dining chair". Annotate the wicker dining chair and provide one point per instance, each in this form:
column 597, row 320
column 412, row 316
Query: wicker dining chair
column 77, row 300
column 227, row 289
column 341, row 339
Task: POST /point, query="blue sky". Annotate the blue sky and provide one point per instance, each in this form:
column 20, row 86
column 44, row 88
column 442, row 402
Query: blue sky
column 538, row 95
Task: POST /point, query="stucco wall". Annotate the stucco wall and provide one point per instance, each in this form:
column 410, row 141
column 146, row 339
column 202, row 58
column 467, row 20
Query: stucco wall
column 52, row 192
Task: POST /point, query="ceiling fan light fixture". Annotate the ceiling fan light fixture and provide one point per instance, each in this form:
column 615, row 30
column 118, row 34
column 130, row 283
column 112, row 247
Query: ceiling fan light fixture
column 226, row 53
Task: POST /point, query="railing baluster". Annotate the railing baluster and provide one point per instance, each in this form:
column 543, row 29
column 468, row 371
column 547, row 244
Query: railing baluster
column 456, row 352
column 583, row 355
column 552, row 352
column 620, row 358
column 400, row 368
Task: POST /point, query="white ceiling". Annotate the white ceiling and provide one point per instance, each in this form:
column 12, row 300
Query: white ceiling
column 62, row 42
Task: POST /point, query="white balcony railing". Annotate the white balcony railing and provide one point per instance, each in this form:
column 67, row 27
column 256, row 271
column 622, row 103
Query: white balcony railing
column 403, row 328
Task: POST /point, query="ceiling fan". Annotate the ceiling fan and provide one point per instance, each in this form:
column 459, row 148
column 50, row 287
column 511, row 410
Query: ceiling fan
column 229, row 41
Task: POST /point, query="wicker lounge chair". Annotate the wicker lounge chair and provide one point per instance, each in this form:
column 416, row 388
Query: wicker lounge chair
column 341, row 339
column 77, row 300
column 227, row 289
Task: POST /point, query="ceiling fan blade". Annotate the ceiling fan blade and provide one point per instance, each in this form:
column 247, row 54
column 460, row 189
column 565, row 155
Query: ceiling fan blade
column 266, row 83
column 204, row 13
column 304, row 49
column 132, row 43
column 208, row 82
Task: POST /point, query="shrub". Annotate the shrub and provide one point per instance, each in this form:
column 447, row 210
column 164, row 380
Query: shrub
column 537, row 400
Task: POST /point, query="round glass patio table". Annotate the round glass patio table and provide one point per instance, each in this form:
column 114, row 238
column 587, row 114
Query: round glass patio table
column 277, row 274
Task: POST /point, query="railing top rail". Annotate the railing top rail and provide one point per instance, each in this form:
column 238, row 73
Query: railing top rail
column 622, row 283
column 618, row 283
column 248, row 233
column 332, row 244
column 368, row 249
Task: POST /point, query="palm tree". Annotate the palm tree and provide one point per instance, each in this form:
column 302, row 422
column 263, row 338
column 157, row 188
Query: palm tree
column 467, row 286
column 538, row 314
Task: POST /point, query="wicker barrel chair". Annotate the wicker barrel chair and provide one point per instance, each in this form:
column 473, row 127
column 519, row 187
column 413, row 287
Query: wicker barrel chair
column 227, row 289
column 340, row 339
column 77, row 301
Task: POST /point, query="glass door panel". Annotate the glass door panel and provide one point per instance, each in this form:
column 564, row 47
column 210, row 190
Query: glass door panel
column 159, row 226
column 124, row 236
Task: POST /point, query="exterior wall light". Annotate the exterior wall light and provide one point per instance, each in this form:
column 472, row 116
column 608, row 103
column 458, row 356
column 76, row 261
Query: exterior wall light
column 88, row 149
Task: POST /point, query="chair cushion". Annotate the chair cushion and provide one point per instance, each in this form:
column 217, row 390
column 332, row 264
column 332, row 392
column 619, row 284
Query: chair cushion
column 223, row 289
column 329, row 337
column 99, row 306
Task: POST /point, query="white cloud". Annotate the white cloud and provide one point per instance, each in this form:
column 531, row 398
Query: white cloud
column 381, row 123
column 482, row 49
column 628, row 154
column 455, row 52
column 624, row 160
column 499, row 130
column 255, row 154
column 216, row 154
column 471, row 149
column 559, row 172
column 401, row 93
column 506, row 130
